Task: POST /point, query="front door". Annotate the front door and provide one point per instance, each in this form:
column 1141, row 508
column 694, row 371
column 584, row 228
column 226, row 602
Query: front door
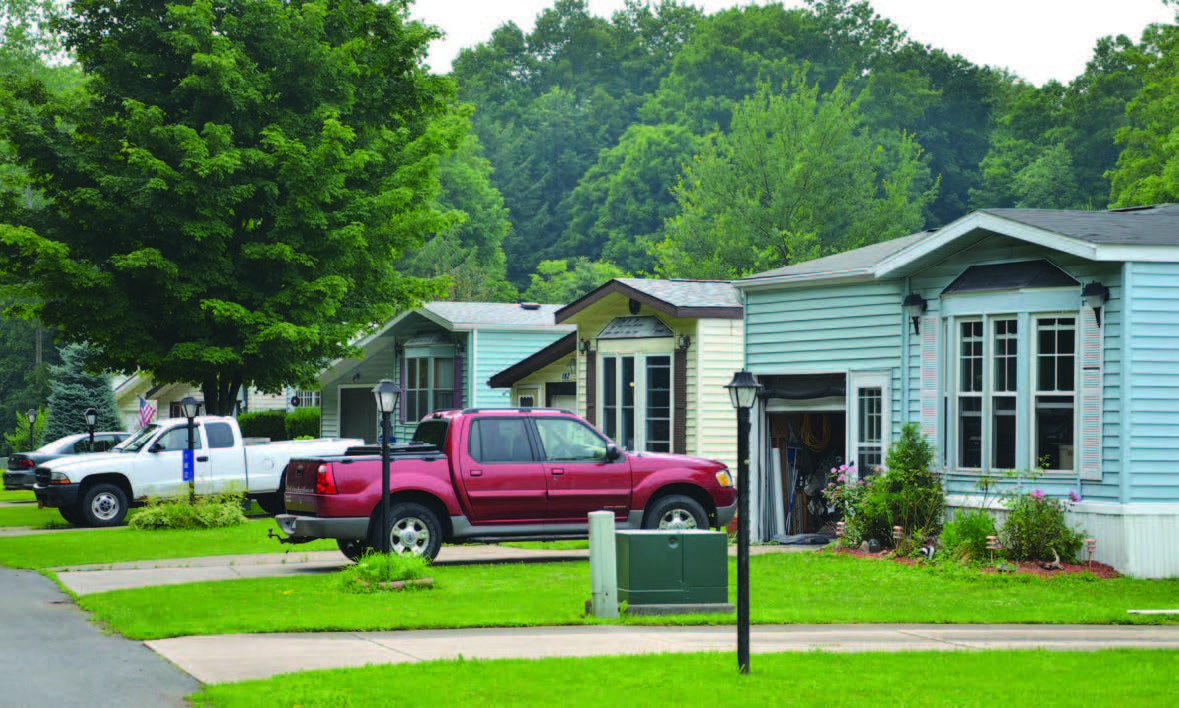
column 579, row 477
column 504, row 479
column 358, row 414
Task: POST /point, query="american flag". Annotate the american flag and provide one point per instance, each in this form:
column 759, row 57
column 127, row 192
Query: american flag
column 146, row 412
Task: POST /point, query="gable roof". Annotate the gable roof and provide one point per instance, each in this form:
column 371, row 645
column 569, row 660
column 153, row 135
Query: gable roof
column 676, row 298
column 849, row 265
column 549, row 355
column 473, row 315
column 1134, row 234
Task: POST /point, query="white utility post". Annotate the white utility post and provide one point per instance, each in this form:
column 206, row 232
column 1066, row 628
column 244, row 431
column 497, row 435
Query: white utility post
column 603, row 564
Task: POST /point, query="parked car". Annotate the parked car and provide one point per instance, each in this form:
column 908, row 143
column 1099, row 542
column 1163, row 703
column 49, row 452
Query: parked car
column 97, row 490
column 484, row 475
column 21, row 464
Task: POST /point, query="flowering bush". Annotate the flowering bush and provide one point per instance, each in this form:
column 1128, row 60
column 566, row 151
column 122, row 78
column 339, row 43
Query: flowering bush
column 1035, row 526
column 845, row 494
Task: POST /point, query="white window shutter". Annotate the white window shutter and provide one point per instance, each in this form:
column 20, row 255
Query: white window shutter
column 930, row 390
column 1090, row 393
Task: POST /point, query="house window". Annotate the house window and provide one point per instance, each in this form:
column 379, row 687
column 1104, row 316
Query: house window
column 869, row 430
column 636, row 400
column 1055, row 398
column 988, row 382
column 306, row 399
column 429, row 386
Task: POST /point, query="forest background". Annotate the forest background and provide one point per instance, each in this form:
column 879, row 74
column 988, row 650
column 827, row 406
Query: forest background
column 664, row 142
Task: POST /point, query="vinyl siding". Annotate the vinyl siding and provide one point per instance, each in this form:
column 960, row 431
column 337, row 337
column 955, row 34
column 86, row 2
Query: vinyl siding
column 715, row 354
column 1152, row 376
column 495, row 351
column 381, row 364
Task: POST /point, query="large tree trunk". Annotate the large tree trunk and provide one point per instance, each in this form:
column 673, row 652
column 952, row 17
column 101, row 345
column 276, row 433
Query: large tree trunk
column 221, row 393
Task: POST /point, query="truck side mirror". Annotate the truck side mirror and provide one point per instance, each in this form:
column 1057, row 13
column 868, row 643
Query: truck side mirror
column 157, row 447
column 612, row 452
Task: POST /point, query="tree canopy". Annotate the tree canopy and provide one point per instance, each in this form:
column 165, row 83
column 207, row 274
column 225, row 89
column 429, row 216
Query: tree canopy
column 226, row 202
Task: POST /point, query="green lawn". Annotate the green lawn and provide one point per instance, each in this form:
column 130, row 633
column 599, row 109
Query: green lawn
column 788, row 588
column 84, row 546
column 23, row 495
column 1016, row 678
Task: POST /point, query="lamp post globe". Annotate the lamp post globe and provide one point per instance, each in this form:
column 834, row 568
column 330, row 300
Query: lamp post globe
column 32, row 416
column 91, row 417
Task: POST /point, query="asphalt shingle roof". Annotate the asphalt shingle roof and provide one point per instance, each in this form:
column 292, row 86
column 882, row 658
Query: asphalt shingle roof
column 1146, row 226
column 492, row 313
column 688, row 293
column 858, row 261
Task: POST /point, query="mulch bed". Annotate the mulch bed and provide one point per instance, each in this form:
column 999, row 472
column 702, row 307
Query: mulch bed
column 1100, row 570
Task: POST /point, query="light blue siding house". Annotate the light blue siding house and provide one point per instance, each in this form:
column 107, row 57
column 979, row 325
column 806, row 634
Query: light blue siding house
column 1018, row 339
column 441, row 355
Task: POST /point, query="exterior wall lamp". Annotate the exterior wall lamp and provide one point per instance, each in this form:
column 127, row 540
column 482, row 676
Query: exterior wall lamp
column 583, row 346
column 683, row 341
column 914, row 306
column 1095, row 294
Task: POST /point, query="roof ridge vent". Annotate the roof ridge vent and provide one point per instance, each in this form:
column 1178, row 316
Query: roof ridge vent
column 530, row 305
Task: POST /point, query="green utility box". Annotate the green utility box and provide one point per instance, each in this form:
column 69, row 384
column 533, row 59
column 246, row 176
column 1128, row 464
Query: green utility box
column 672, row 567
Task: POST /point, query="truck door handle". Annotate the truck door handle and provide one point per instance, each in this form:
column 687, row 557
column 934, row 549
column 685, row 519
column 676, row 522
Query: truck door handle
column 476, row 473
column 202, row 459
column 557, row 471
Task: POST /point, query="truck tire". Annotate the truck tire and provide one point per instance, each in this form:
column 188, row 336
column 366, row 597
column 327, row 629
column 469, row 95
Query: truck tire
column 72, row 514
column 413, row 529
column 104, row 505
column 352, row 548
column 676, row 512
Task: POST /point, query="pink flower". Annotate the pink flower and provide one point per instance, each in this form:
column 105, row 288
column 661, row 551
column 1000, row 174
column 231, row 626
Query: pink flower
column 834, row 470
column 1038, row 493
column 1073, row 496
column 841, row 478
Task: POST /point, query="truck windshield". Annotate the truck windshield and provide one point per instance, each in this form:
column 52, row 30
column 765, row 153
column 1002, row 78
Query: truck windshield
column 136, row 442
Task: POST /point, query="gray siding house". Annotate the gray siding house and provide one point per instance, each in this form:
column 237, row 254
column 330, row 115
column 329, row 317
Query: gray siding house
column 441, row 355
column 1019, row 339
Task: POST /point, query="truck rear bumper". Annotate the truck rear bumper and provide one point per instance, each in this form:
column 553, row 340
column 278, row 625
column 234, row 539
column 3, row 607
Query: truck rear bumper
column 296, row 526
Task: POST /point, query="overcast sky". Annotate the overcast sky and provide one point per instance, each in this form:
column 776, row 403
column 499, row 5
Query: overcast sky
column 1038, row 40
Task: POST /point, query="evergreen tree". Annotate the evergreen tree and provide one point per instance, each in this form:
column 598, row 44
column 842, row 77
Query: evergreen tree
column 73, row 390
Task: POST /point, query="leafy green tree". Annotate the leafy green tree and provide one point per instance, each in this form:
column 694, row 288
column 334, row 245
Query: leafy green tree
column 74, row 390
column 562, row 282
column 797, row 177
column 24, row 378
column 18, row 439
column 1148, row 167
column 468, row 254
column 227, row 206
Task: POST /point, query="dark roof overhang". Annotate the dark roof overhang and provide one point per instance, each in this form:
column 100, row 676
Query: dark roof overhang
column 562, row 347
column 615, row 287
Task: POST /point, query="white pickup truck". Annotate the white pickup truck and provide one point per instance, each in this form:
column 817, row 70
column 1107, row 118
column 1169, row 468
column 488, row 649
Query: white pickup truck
column 97, row 490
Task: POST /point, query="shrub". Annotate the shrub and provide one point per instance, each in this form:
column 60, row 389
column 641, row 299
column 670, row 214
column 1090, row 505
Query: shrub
column 373, row 569
column 965, row 536
column 209, row 511
column 264, row 424
column 303, row 423
column 906, row 493
column 1035, row 525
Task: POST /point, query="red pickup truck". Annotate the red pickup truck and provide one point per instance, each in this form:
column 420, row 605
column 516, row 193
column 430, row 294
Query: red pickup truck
column 486, row 475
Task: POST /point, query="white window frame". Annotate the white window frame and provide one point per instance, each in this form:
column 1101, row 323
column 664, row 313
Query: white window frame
column 432, row 389
column 640, row 395
column 1036, row 391
column 861, row 384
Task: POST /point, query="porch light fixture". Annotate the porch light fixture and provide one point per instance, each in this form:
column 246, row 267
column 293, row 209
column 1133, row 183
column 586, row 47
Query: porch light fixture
column 743, row 392
column 583, row 346
column 914, row 306
column 683, row 341
column 386, row 394
column 1095, row 294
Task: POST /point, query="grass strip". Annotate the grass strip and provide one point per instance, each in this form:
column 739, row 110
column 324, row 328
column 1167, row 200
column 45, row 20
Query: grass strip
column 985, row 678
column 85, row 546
column 788, row 588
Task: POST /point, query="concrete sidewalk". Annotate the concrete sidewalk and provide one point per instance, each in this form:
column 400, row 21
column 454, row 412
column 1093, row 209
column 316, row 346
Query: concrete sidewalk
column 102, row 577
column 219, row 659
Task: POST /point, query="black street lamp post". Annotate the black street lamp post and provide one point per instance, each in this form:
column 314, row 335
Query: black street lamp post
column 386, row 394
column 32, row 416
column 743, row 392
column 189, row 406
column 91, row 417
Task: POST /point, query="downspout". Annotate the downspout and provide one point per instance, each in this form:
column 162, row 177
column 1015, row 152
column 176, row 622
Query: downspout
column 906, row 342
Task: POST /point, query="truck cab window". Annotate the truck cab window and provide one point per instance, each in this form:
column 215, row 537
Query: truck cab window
column 499, row 440
column 177, row 439
column 567, row 440
column 219, row 434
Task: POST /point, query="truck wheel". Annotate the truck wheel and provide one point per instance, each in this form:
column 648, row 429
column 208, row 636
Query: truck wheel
column 676, row 513
column 104, row 505
column 73, row 515
column 413, row 529
column 352, row 548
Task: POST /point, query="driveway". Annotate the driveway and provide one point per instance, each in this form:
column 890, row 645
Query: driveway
column 52, row 655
